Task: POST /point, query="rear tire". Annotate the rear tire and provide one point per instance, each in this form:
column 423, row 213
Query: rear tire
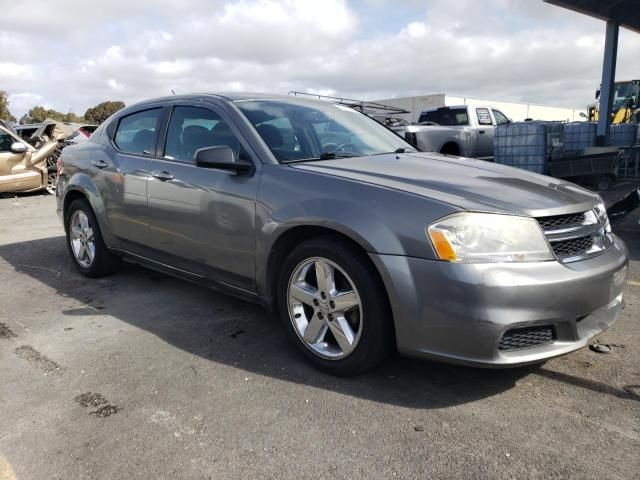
column 605, row 182
column 450, row 149
column 342, row 324
column 89, row 254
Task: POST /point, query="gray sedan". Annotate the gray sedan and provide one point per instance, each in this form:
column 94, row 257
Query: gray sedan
column 360, row 243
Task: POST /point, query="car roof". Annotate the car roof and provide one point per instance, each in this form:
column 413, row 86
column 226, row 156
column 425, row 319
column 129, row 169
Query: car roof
column 228, row 96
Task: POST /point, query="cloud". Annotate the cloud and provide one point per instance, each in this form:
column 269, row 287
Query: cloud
column 520, row 50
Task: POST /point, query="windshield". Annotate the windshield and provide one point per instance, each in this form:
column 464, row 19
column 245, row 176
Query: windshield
column 624, row 92
column 304, row 130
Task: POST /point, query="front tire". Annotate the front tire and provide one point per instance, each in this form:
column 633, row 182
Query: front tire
column 334, row 306
column 52, row 178
column 90, row 255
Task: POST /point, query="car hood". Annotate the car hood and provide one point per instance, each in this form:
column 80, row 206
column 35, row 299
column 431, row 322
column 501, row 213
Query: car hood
column 467, row 183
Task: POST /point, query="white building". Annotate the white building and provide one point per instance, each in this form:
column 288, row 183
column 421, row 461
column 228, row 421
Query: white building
column 515, row 111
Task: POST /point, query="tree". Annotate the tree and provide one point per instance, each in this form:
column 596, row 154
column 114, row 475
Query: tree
column 39, row 114
column 5, row 114
column 102, row 111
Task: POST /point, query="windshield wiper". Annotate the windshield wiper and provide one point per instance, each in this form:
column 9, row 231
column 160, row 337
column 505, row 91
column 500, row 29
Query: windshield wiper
column 332, row 155
column 398, row 150
column 324, row 156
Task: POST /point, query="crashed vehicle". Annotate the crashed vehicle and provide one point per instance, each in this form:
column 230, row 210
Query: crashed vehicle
column 360, row 243
column 26, row 131
column 81, row 133
column 27, row 167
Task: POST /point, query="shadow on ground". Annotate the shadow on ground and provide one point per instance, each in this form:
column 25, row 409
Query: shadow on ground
column 232, row 332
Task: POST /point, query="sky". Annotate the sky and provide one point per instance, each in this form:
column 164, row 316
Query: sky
column 70, row 55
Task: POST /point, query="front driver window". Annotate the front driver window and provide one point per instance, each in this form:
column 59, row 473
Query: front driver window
column 193, row 128
column 500, row 117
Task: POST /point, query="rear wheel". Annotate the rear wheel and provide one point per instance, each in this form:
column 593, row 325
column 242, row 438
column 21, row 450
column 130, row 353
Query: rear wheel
column 605, row 182
column 90, row 255
column 334, row 306
column 450, row 149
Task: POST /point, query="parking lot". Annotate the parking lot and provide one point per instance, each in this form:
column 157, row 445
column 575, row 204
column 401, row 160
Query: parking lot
column 139, row 375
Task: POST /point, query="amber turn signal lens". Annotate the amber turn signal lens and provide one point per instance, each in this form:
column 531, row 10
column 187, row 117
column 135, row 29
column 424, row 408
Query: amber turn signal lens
column 442, row 246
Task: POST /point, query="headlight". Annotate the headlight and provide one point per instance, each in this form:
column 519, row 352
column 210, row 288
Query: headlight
column 487, row 238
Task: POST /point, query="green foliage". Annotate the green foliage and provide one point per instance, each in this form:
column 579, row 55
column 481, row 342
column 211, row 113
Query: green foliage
column 5, row 114
column 102, row 111
column 39, row 114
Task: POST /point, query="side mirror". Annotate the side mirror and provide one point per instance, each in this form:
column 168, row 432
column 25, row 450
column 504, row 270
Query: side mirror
column 222, row 158
column 17, row 147
column 597, row 94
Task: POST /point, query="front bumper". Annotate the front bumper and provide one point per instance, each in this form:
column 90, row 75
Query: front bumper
column 460, row 312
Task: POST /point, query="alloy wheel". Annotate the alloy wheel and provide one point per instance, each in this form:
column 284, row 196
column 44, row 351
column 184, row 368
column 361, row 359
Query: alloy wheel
column 325, row 308
column 82, row 238
column 51, row 183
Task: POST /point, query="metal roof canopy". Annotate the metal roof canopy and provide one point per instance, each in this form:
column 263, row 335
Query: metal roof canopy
column 626, row 13
column 616, row 13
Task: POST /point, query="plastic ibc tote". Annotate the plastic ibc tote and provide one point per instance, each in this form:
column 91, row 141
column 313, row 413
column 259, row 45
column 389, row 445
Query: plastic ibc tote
column 579, row 135
column 623, row 135
column 526, row 145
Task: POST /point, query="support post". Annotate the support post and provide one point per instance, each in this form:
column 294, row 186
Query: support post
column 608, row 79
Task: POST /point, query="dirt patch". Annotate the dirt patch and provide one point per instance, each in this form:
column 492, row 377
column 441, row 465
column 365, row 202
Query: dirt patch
column 90, row 399
column 106, row 411
column 6, row 332
column 36, row 359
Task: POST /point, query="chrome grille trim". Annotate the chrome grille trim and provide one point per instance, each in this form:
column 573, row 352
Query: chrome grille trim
column 576, row 236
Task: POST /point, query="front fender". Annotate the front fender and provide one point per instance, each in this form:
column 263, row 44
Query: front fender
column 380, row 220
column 363, row 226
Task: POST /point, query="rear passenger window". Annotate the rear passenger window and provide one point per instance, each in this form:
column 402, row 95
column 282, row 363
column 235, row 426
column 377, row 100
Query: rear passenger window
column 193, row 128
column 136, row 132
column 446, row 116
column 484, row 118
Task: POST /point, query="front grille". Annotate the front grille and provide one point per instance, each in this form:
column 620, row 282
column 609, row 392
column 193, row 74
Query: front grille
column 561, row 221
column 526, row 337
column 576, row 235
column 574, row 247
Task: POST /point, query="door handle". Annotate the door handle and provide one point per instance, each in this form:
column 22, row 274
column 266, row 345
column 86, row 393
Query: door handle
column 100, row 164
column 162, row 175
column 481, row 131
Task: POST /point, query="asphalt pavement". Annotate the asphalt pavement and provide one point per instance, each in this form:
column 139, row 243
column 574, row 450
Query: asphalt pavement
column 140, row 375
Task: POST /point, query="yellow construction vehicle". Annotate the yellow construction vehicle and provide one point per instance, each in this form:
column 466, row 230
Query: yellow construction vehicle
column 626, row 103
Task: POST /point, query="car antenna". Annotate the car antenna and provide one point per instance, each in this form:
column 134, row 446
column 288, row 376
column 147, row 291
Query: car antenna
column 173, row 91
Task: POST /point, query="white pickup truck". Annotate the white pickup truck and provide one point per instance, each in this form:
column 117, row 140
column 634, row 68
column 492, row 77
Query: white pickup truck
column 463, row 130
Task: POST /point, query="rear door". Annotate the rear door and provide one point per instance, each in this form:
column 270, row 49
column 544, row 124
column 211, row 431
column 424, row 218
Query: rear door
column 486, row 132
column 202, row 220
column 121, row 171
